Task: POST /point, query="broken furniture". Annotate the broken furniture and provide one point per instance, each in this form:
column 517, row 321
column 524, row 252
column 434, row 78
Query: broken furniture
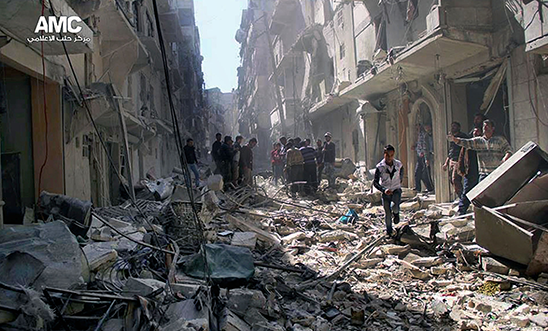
column 517, row 231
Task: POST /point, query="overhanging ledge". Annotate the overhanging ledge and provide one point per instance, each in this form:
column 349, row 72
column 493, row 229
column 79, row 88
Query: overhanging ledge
column 423, row 57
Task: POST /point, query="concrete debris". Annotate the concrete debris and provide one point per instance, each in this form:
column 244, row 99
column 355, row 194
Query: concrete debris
column 244, row 239
column 277, row 264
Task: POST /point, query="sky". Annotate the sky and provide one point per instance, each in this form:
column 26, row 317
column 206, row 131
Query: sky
column 218, row 21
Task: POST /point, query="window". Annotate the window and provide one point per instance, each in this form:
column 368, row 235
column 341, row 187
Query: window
column 342, row 51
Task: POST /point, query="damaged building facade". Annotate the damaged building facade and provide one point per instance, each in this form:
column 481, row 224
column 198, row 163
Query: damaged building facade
column 48, row 140
column 220, row 107
column 369, row 72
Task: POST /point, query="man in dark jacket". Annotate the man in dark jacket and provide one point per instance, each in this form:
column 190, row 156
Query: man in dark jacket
column 329, row 153
column 226, row 154
column 192, row 161
column 309, row 156
column 246, row 161
column 319, row 159
column 215, row 153
column 236, row 175
column 451, row 162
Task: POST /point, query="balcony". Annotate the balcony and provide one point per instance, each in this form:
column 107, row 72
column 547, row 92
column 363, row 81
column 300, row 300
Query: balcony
column 151, row 44
column 414, row 62
column 20, row 18
column 171, row 28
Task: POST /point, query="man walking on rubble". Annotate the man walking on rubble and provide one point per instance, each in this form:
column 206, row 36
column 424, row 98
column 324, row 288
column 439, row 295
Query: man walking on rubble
column 309, row 171
column 451, row 162
column 491, row 150
column 468, row 165
column 423, row 148
column 236, row 175
column 191, row 160
column 319, row 160
column 388, row 178
column 246, row 162
column 215, row 148
column 226, row 153
column 329, row 153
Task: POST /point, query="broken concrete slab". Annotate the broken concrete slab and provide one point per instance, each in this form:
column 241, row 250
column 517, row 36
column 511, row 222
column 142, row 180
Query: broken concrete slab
column 142, row 286
column 240, row 300
column 392, row 249
column 244, row 239
column 412, row 205
column 234, row 323
column 492, row 265
column 54, row 246
column 427, row 262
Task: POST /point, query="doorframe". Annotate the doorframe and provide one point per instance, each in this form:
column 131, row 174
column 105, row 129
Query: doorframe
column 439, row 132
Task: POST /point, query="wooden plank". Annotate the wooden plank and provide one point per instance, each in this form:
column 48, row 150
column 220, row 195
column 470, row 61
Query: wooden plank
column 246, row 226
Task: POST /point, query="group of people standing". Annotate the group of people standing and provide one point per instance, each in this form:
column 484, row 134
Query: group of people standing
column 233, row 160
column 471, row 159
column 296, row 162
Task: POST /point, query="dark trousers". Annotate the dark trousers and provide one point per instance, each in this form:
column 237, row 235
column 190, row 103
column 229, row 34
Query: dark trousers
column 469, row 182
column 422, row 174
column 320, row 173
column 295, row 174
column 278, row 170
column 310, row 177
column 391, row 204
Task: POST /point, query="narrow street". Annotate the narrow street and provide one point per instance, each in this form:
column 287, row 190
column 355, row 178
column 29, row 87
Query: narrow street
column 364, row 165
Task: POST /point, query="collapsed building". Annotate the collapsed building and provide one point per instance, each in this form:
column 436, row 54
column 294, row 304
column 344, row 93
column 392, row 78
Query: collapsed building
column 48, row 140
column 369, row 72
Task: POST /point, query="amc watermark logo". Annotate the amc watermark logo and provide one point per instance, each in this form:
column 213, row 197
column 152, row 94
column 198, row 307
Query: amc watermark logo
column 56, row 27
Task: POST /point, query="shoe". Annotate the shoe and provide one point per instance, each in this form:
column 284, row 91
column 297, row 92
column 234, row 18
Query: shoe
column 396, row 218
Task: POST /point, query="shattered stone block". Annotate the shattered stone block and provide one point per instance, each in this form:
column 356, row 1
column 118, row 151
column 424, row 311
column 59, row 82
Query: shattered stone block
column 244, row 239
column 492, row 265
column 540, row 319
column 99, row 258
column 520, row 321
column 427, row 262
column 253, row 316
column 411, row 205
column 102, row 234
column 240, row 300
column 392, row 249
column 234, row 323
column 441, row 270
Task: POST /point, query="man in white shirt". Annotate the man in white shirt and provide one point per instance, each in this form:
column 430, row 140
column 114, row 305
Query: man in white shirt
column 388, row 178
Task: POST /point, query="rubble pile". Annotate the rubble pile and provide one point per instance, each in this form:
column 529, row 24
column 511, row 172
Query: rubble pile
column 256, row 259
